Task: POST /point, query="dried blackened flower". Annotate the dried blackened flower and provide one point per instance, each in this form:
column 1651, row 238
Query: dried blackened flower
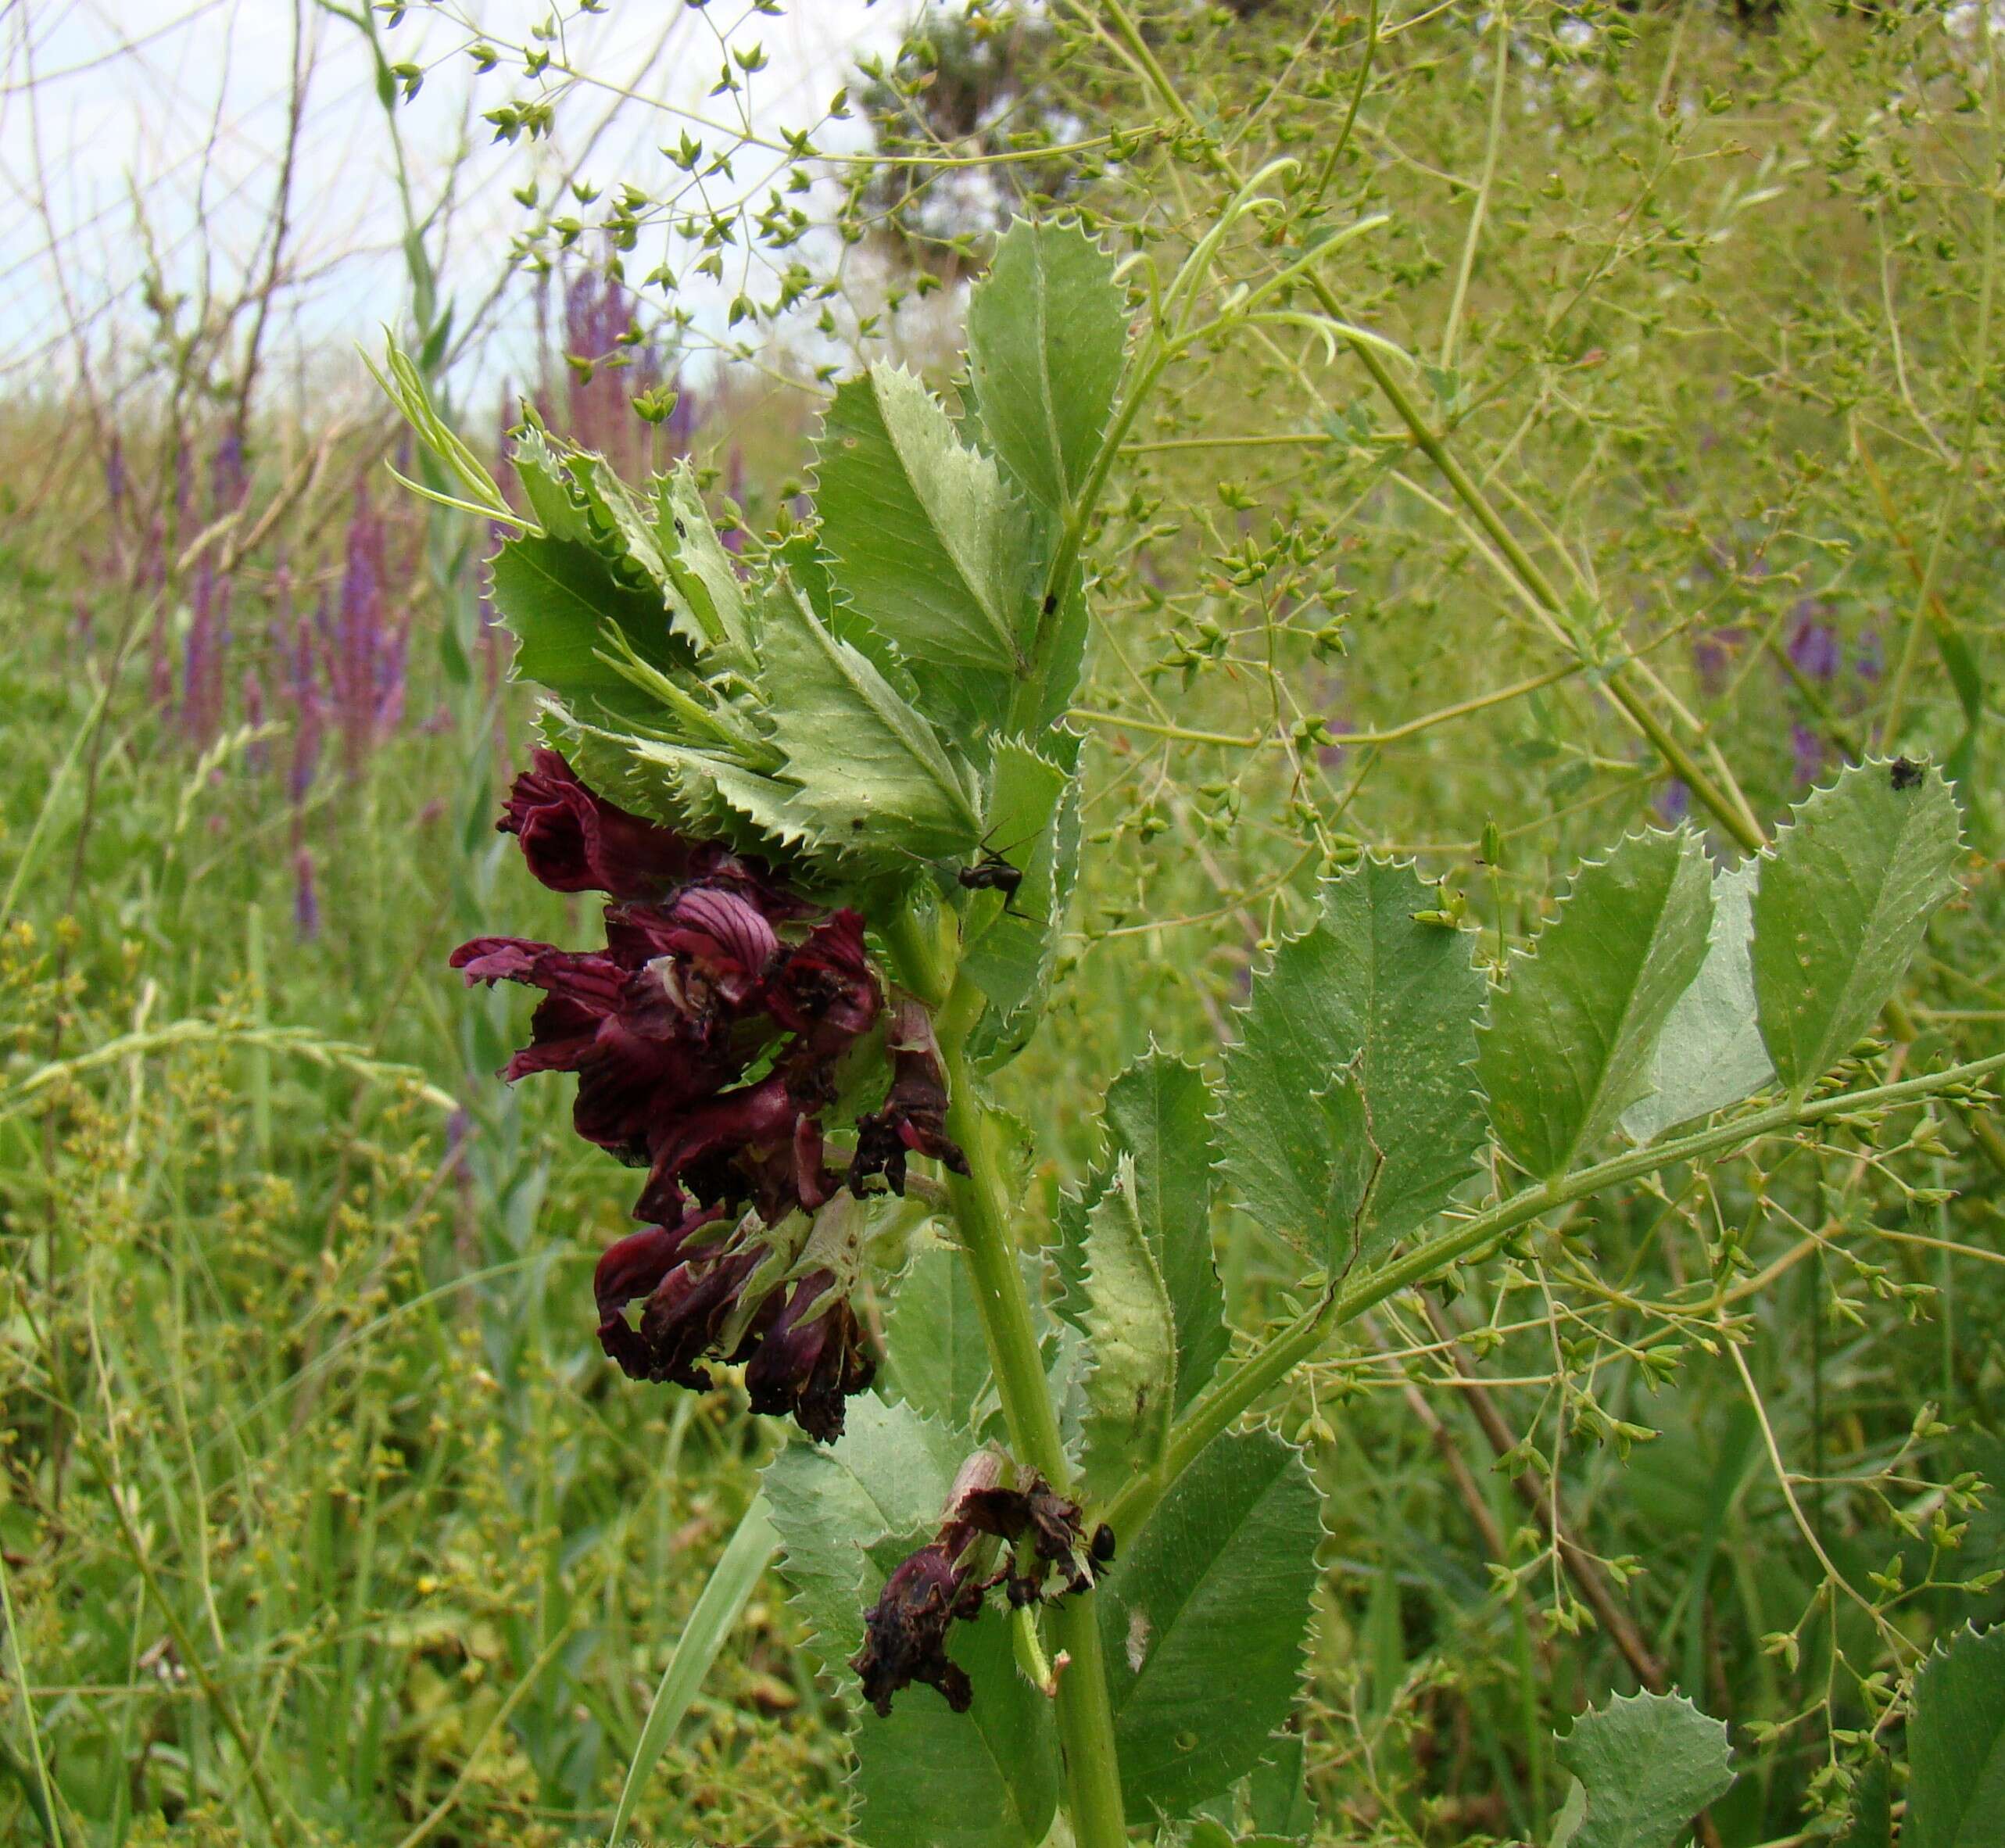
column 905, row 1631
column 1035, row 1512
column 914, row 1118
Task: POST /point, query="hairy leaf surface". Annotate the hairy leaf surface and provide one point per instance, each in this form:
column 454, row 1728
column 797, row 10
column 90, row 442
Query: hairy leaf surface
column 1846, row 892
column 1131, row 1339
column 1956, row 1746
column 1351, row 1115
column 1569, row 1040
column 873, row 776
column 1008, row 948
column 1203, row 1618
column 701, row 571
column 1646, row 1765
column 1046, row 330
column 1710, row 1054
column 560, row 600
column 925, row 536
column 1159, row 1114
column 937, row 1353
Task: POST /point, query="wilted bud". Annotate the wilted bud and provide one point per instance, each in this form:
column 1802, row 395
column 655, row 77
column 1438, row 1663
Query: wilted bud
column 905, row 1631
column 914, row 1118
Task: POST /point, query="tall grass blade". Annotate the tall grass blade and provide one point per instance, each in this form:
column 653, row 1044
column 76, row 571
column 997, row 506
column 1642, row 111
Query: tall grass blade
column 746, row 1558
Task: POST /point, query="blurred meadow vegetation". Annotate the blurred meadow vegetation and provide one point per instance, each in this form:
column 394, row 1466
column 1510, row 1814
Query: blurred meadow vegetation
column 323, row 1519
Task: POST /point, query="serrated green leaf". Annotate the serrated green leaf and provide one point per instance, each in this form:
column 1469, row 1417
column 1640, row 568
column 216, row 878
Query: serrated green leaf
column 1008, row 947
column 1647, row 1765
column 1956, row 1746
column 1871, row 1826
column 938, row 1354
column 888, row 1476
column 1279, row 1793
column 1350, row 1115
column 701, row 571
column 547, row 488
column 1158, row 1113
column 1846, row 892
column 1203, row 1619
column 1569, row 1041
column 562, row 603
column 873, row 776
column 1048, row 328
column 1710, row 1054
column 929, row 1778
column 924, row 535
column 1131, row 1338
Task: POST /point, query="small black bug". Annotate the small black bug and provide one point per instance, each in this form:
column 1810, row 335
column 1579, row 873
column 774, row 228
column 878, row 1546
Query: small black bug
column 992, row 873
column 1903, row 773
column 1050, row 602
column 1102, row 1544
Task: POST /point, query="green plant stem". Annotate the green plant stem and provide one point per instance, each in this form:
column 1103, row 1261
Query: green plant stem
column 981, row 1207
column 1342, row 1303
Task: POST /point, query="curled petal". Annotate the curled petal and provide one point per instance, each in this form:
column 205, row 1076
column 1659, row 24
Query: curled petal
column 634, row 1266
column 682, row 1319
column 719, row 934
column 914, row 1118
column 592, row 981
column 576, row 841
column 808, row 1367
column 705, row 1150
column 825, row 991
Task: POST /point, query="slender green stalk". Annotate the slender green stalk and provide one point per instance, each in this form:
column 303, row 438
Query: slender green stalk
column 51, row 1826
column 1239, row 1389
column 981, row 1206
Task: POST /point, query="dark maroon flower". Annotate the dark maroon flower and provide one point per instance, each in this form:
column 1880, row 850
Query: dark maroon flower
column 682, row 1321
column 634, row 1266
column 914, row 1118
column 905, row 1632
column 810, row 1360
column 708, row 1037
column 576, row 841
column 636, row 1054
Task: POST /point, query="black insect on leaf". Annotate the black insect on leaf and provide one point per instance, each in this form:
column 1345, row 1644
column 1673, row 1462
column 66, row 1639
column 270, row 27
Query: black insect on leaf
column 992, row 873
column 1903, row 773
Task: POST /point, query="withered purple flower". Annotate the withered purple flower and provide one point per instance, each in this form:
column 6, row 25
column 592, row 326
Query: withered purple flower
column 905, row 1632
column 811, row 1359
column 1036, row 1512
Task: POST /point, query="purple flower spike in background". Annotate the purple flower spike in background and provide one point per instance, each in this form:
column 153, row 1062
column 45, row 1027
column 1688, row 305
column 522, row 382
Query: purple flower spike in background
column 1814, row 644
column 305, row 896
column 1809, row 751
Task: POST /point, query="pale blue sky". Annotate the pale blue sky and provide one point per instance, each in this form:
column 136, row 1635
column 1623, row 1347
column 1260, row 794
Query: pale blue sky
column 170, row 115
